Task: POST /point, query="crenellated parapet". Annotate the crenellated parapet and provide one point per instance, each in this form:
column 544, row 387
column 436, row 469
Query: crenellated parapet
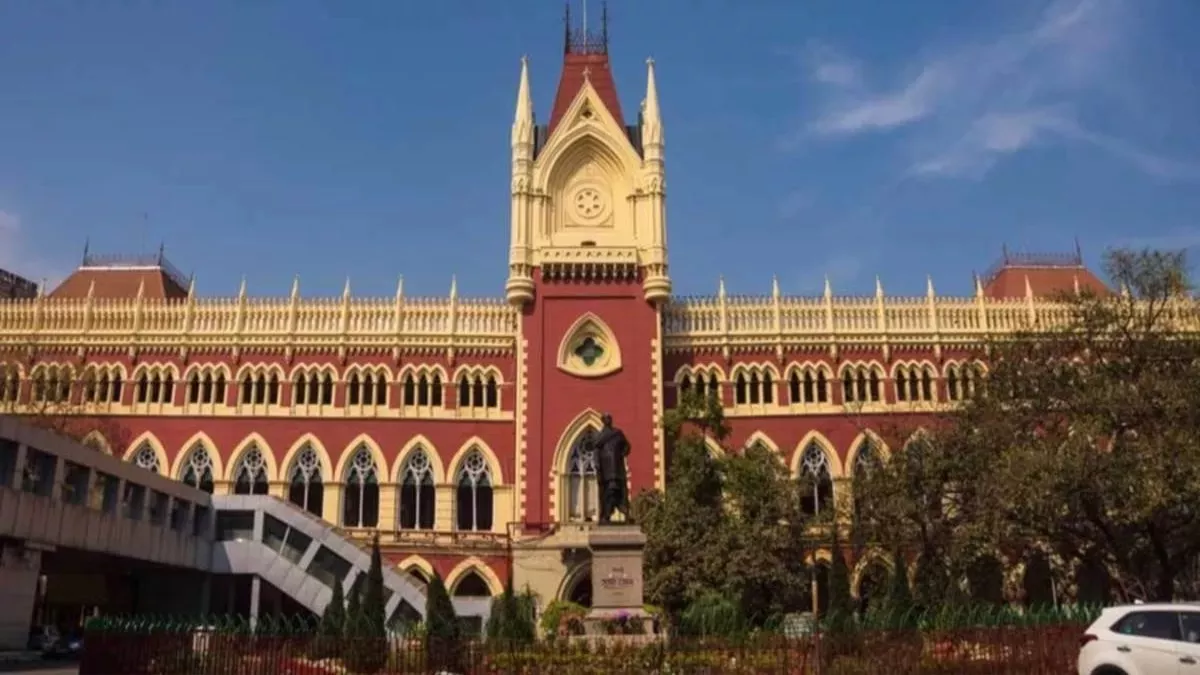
column 248, row 324
column 731, row 324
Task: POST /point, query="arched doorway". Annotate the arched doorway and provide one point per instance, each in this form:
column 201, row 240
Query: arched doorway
column 872, row 585
column 1038, row 580
column 580, row 589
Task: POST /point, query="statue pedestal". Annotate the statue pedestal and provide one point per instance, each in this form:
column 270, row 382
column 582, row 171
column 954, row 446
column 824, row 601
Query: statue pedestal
column 617, row 581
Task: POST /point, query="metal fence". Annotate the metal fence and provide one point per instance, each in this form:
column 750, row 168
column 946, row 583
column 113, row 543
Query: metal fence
column 963, row 642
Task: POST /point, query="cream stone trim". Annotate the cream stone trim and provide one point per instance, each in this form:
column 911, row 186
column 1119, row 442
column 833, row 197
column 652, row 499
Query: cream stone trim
column 365, row 441
column 416, row 370
column 289, row 459
column 714, row 448
column 416, row 561
column 199, row 370
column 835, row 464
column 856, row 445
column 185, row 450
column 706, row 370
column 473, row 564
column 959, row 364
column 420, row 442
column 362, row 369
column 764, row 439
column 909, row 365
column 96, row 438
column 562, row 452
column 60, row 366
column 310, row 369
column 870, row 364
column 7, row 367
column 160, row 368
column 871, row 556
column 754, row 368
column 822, row 555
column 148, row 438
column 800, row 367
column 920, row 433
column 589, row 325
column 101, row 367
column 262, row 368
column 476, row 443
column 473, row 369
column 520, row 428
column 579, row 572
column 250, row 441
column 656, row 396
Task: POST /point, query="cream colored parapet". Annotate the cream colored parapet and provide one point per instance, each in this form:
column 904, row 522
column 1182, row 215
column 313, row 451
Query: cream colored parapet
column 243, row 321
column 727, row 322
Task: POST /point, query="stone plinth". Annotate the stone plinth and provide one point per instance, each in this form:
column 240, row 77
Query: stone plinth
column 617, row 581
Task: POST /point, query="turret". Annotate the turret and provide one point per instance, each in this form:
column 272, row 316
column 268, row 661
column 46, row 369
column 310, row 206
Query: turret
column 519, row 288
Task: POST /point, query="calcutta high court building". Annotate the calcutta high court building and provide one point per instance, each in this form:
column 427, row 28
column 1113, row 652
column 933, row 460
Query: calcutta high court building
column 450, row 425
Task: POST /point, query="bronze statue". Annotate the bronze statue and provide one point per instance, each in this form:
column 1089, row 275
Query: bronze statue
column 611, row 448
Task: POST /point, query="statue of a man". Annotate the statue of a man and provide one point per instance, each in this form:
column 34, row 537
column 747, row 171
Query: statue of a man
column 611, row 448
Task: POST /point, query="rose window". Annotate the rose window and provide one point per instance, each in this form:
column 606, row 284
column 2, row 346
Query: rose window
column 589, row 203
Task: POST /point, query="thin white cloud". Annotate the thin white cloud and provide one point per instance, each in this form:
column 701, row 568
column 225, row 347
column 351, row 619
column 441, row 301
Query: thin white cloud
column 16, row 256
column 969, row 107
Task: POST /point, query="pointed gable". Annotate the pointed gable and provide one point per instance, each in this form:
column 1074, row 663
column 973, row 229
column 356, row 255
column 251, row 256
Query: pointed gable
column 585, row 58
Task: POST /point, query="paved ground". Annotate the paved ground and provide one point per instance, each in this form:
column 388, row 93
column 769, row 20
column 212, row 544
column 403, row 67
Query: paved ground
column 41, row 668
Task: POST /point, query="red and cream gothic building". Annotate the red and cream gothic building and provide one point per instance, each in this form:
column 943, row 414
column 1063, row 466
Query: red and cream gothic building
column 450, row 424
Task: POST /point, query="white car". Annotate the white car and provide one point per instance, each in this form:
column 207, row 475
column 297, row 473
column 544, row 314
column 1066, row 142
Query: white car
column 1147, row 639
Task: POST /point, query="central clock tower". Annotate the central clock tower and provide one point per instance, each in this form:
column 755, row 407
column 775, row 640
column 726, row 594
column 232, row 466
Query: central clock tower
column 588, row 268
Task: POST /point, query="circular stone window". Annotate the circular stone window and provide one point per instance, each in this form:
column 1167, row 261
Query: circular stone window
column 589, row 203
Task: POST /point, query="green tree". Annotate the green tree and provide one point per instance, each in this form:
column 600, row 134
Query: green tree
column 898, row 605
column 332, row 628
column 443, row 633
column 369, row 646
column 512, row 617
column 728, row 528
column 841, row 605
column 1085, row 436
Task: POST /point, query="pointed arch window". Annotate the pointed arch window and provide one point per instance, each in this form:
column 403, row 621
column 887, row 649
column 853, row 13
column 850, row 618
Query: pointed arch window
column 251, row 475
column 198, row 471
column 472, row 585
column 581, row 482
column 473, row 494
column 866, row 460
column 305, row 487
column 418, row 500
column 146, row 458
column 816, row 480
column 360, row 504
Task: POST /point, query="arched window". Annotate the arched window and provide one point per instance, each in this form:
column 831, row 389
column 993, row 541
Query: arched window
column 816, row 480
column 251, row 475
column 472, row 585
column 473, row 494
column 582, row 490
column 417, row 492
column 305, row 488
column 146, row 458
column 198, row 471
column 360, row 505
column 865, row 461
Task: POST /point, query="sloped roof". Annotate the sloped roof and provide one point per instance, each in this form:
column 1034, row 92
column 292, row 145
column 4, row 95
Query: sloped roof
column 111, row 277
column 1046, row 276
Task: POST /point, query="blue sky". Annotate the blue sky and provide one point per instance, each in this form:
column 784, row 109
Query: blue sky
column 369, row 139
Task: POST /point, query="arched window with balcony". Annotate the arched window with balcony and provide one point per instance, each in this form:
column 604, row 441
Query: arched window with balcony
column 474, row 508
column 418, row 493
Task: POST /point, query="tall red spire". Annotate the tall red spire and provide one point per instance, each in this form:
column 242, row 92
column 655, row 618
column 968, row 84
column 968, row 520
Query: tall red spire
column 585, row 57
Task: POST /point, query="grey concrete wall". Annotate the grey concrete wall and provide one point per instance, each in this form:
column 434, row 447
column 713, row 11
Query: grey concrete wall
column 19, row 570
